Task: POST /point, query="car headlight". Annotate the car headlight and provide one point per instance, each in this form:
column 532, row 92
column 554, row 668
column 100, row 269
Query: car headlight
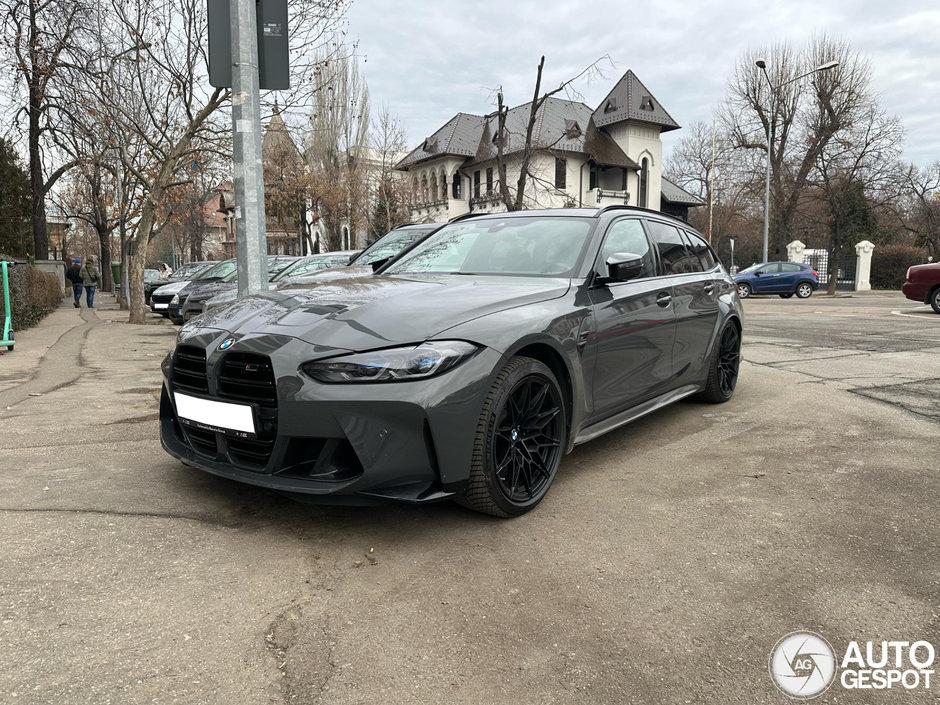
column 175, row 299
column 394, row 364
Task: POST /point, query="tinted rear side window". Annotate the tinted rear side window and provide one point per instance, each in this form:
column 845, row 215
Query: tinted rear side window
column 673, row 253
column 701, row 250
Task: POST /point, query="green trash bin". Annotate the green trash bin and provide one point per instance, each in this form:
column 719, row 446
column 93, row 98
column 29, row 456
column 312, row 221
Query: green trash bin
column 116, row 276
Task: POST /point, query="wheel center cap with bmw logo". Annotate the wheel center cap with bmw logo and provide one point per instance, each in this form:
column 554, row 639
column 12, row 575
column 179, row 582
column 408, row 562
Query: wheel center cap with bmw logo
column 226, row 344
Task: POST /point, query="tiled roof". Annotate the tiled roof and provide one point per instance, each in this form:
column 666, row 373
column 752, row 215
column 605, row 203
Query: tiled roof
column 631, row 100
column 459, row 137
column 676, row 194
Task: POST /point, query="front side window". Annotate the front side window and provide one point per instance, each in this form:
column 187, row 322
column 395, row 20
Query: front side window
column 627, row 237
column 518, row 246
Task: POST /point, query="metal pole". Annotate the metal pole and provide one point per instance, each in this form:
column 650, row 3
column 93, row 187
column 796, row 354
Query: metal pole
column 250, row 239
column 767, row 197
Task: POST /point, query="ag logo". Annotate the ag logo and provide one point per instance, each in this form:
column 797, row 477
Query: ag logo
column 802, row 665
column 226, row 344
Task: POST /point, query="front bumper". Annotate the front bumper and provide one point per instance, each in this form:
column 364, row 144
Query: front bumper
column 359, row 443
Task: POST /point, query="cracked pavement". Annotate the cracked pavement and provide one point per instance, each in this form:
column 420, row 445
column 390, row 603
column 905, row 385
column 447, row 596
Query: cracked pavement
column 668, row 559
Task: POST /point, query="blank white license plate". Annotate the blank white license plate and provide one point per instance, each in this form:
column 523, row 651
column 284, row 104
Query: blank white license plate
column 215, row 414
column 159, row 306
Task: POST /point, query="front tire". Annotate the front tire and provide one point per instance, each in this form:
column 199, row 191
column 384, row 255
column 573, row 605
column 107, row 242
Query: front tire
column 723, row 366
column 804, row 290
column 744, row 290
column 520, row 439
column 934, row 300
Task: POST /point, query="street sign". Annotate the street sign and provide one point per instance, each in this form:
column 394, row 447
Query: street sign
column 273, row 62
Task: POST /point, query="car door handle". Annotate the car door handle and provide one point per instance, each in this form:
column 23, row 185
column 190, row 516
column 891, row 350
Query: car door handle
column 663, row 299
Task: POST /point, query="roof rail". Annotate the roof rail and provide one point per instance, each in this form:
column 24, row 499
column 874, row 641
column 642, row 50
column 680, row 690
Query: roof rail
column 464, row 216
column 621, row 207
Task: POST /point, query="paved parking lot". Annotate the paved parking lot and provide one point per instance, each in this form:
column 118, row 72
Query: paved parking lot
column 664, row 565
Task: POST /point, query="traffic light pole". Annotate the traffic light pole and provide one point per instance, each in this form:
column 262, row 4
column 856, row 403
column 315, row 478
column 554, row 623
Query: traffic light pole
column 250, row 236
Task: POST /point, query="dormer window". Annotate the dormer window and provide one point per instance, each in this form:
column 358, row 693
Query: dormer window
column 430, row 145
column 611, row 105
column 572, row 129
column 647, row 103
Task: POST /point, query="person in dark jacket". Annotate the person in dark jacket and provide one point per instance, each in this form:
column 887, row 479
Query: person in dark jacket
column 74, row 275
column 91, row 278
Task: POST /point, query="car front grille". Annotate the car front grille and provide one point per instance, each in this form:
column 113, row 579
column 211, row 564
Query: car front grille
column 246, row 377
column 189, row 370
column 243, row 378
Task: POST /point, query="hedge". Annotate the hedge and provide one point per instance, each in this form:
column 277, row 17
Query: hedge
column 33, row 295
column 889, row 265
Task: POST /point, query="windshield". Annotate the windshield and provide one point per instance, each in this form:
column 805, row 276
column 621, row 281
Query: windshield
column 312, row 264
column 189, row 269
column 275, row 266
column 536, row 246
column 222, row 269
column 389, row 245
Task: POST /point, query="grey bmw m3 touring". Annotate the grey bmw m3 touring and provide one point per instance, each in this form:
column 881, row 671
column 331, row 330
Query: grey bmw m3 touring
column 464, row 368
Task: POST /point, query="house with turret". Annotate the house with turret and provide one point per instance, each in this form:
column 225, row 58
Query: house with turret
column 581, row 157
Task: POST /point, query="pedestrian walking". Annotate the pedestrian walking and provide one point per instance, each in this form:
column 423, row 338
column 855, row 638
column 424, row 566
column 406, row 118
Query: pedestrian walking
column 91, row 278
column 74, row 275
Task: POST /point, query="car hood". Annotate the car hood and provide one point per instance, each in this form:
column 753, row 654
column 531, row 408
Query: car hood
column 312, row 278
column 376, row 311
column 210, row 289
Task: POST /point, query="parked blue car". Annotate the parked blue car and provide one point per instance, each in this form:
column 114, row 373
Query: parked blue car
column 782, row 278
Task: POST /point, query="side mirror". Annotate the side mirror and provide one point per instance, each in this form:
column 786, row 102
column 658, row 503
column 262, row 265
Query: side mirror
column 623, row 266
column 757, row 273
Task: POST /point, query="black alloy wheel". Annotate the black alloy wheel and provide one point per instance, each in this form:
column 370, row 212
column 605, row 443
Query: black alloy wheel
column 934, row 300
column 724, row 365
column 744, row 290
column 804, row 290
column 520, row 441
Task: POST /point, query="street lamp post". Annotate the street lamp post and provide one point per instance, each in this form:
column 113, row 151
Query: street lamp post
column 762, row 65
column 731, row 244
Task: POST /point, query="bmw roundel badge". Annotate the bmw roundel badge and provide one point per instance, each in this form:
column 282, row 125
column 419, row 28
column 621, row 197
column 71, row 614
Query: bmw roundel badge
column 226, row 344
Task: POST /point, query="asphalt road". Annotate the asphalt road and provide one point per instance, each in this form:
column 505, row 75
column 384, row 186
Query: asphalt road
column 664, row 565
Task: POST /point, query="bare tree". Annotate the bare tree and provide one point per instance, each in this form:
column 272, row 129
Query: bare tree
column 389, row 189
column 921, row 207
column 801, row 115
column 503, row 138
column 855, row 174
column 337, row 146
column 706, row 164
column 40, row 39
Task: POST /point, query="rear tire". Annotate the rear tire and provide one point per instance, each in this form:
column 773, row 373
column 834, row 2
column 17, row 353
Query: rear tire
column 804, row 290
column 723, row 366
column 520, row 439
column 934, row 301
column 744, row 290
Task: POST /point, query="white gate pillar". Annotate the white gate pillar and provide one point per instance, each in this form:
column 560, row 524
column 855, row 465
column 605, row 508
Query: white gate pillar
column 863, row 265
column 795, row 251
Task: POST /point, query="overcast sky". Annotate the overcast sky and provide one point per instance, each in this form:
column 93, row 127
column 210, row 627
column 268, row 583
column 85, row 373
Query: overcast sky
column 428, row 60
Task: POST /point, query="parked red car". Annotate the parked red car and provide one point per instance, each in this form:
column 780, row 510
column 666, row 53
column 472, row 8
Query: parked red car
column 923, row 284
